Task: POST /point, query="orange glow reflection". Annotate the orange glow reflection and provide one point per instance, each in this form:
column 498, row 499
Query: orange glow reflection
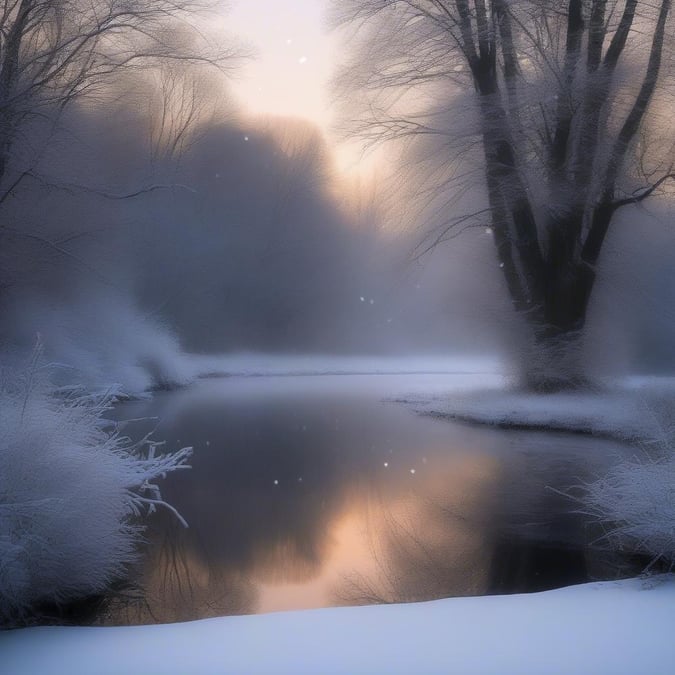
column 424, row 538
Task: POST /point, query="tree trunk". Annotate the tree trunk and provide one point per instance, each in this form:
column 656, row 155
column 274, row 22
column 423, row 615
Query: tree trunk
column 553, row 361
column 554, row 358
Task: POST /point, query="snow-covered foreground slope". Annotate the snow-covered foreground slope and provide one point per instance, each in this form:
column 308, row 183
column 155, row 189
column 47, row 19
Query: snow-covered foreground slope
column 621, row 627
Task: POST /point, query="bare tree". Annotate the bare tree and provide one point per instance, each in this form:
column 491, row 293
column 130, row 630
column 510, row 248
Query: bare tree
column 558, row 96
column 56, row 52
column 182, row 102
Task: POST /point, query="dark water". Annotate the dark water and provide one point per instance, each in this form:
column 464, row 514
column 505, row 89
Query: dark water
column 313, row 491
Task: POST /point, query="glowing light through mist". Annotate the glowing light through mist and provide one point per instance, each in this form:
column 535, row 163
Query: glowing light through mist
column 293, row 60
column 290, row 75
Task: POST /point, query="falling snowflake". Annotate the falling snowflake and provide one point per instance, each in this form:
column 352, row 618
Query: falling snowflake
column 302, row 60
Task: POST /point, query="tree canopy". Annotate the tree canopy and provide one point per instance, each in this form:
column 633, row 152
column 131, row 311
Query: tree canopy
column 557, row 105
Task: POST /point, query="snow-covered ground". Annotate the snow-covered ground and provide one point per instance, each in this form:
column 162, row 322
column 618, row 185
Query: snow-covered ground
column 617, row 628
column 625, row 409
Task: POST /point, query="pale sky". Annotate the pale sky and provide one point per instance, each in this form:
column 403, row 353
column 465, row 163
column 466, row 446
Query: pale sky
column 293, row 62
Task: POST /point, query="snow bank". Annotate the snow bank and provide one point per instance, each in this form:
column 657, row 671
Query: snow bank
column 619, row 413
column 70, row 487
column 612, row 627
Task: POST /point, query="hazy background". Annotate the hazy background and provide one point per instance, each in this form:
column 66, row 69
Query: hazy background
column 257, row 227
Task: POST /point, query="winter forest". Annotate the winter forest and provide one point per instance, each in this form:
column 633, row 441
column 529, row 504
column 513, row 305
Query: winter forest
column 330, row 303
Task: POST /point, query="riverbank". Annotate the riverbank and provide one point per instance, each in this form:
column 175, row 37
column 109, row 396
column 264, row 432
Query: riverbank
column 622, row 627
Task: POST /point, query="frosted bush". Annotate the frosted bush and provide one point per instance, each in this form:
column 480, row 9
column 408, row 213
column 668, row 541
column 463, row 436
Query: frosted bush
column 102, row 338
column 635, row 501
column 71, row 493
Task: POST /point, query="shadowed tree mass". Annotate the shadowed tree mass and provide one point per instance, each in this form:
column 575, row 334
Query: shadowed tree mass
column 563, row 106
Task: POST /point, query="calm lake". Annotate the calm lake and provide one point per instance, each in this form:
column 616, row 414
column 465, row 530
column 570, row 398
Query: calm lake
column 316, row 491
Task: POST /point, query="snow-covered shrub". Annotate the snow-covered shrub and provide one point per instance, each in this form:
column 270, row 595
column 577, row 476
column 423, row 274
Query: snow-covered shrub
column 635, row 501
column 72, row 490
column 103, row 338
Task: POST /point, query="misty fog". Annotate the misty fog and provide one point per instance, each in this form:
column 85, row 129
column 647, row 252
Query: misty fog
column 399, row 294
column 242, row 236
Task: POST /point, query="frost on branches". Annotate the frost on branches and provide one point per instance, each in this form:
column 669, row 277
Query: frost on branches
column 72, row 491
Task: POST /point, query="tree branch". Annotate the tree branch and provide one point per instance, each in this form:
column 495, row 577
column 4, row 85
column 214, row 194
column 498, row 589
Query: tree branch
column 642, row 193
column 468, row 45
column 634, row 119
column 561, row 135
column 596, row 34
column 620, row 37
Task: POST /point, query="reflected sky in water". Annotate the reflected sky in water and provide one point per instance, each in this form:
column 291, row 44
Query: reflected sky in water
column 315, row 491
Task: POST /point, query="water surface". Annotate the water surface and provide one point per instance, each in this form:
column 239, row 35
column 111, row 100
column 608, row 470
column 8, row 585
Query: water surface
column 314, row 491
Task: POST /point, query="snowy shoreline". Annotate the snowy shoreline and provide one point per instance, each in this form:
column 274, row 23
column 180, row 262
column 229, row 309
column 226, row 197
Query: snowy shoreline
column 477, row 394
column 603, row 627
column 624, row 411
column 617, row 627
column 287, row 365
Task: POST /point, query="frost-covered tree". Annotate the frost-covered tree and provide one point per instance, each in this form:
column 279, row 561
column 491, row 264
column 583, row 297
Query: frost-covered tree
column 56, row 52
column 563, row 109
column 76, row 77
